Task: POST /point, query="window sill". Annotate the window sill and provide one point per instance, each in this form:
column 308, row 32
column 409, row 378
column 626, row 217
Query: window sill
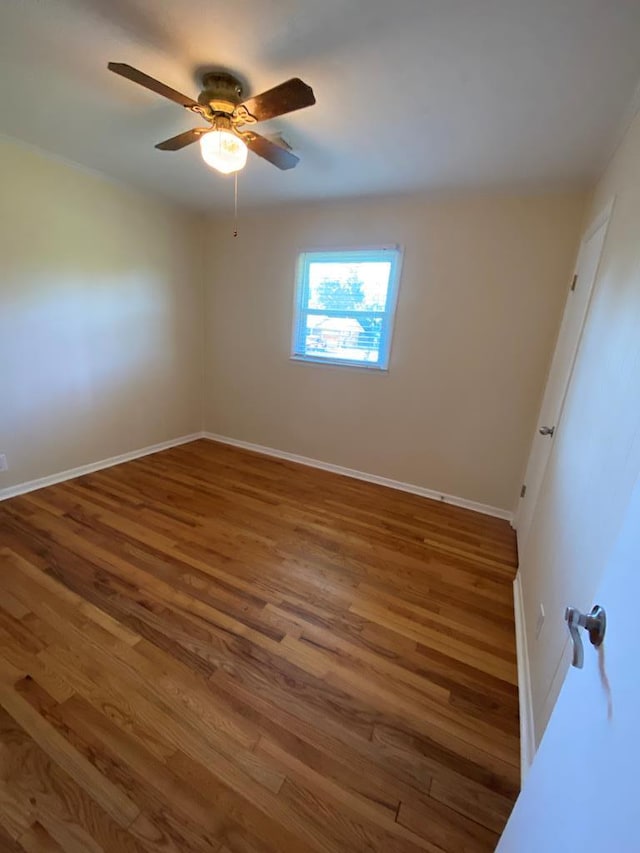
column 331, row 362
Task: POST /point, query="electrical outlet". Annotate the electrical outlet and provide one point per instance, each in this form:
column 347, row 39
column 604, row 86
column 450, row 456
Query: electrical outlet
column 3, row 462
column 539, row 621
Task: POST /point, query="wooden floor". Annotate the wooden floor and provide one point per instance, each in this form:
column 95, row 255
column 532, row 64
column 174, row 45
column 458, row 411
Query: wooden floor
column 211, row 650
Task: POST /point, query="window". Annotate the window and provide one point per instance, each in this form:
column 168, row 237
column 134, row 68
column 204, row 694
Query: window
column 344, row 307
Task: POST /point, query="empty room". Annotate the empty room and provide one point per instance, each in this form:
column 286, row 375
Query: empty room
column 319, row 425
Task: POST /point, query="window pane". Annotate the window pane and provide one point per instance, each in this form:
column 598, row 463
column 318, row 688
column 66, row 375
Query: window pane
column 344, row 306
column 343, row 286
column 351, row 338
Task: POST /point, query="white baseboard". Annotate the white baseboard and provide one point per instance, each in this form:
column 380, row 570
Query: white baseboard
column 361, row 475
column 71, row 473
column 527, row 735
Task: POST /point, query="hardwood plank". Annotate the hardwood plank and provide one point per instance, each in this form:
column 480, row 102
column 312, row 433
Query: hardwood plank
column 37, row 840
column 8, row 844
column 211, row 650
column 435, row 821
column 12, row 606
column 25, row 660
column 198, row 738
column 116, row 804
column 15, row 817
column 363, row 812
column 480, row 804
column 170, row 819
column 263, row 819
column 58, row 801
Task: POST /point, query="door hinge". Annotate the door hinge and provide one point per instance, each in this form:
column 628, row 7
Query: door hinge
column 523, row 490
column 574, row 282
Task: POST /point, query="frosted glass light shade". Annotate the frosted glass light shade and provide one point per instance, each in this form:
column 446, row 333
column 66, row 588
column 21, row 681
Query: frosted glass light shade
column 223, row 150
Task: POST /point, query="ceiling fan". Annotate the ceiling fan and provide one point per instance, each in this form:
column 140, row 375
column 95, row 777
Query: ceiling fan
column 225, row 141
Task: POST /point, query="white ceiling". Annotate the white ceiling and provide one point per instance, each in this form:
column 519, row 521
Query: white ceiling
column 412, row 94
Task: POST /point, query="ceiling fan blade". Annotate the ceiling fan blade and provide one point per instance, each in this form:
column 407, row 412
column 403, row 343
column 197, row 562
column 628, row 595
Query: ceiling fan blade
column 276, row 154
column 182, row 139
column 150, row 83
column 285, row 98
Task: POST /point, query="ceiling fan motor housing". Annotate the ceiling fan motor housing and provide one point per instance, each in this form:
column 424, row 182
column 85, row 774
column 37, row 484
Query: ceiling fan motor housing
column 221, row 91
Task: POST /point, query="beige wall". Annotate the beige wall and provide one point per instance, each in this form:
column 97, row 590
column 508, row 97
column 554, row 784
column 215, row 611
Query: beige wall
column 101, row 329
column 480, row 299
column 100, row 322
column 596, row 454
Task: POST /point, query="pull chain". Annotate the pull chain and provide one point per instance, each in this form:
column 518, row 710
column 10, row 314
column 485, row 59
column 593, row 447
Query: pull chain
column 235, row 204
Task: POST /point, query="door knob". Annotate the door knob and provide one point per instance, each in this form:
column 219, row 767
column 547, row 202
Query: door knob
column 547, row 430
column 595, row 623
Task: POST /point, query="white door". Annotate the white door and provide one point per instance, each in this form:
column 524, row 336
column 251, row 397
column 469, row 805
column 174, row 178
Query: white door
column 583, row 789
column 564, row 356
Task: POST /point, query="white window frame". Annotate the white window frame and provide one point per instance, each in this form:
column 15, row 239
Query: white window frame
column 386, row 254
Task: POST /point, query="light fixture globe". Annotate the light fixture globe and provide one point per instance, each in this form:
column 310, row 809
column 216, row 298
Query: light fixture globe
column 223, row 150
